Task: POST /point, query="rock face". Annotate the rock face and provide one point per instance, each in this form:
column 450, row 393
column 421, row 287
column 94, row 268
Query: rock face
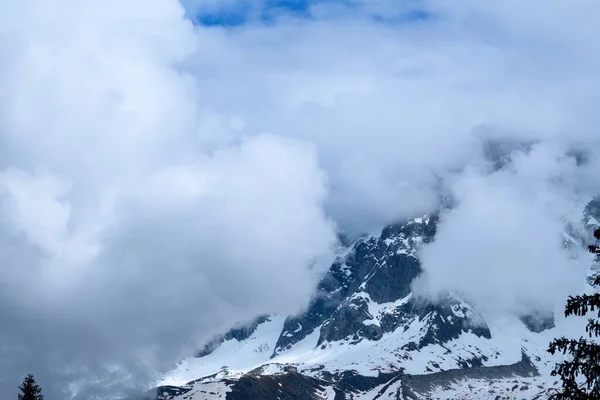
column 380, row 270
column 244, row 331
column 376, row 271
column 415, row 386
column 591, row 213
column 291, row 385
column 346, row 385
column 538, row 322
column 500, row 152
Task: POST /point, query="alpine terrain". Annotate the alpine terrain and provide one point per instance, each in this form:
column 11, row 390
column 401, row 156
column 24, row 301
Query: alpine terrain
column 366, row 336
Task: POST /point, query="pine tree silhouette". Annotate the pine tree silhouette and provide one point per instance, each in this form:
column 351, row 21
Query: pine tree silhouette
column 30, row 390
column 581, row 375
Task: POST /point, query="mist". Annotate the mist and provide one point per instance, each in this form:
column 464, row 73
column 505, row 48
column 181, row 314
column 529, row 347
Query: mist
column 501, row 246
column 162, row 179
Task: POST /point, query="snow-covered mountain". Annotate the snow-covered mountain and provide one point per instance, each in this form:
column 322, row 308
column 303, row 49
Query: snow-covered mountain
column 365, row 336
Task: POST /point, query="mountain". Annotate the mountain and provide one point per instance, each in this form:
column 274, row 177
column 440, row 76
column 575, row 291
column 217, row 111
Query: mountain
column 366, row 336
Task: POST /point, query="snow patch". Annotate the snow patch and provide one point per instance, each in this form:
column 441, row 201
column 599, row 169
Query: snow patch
column 237, row 357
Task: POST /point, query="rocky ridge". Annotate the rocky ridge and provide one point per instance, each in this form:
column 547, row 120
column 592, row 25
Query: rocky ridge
column 365, row 335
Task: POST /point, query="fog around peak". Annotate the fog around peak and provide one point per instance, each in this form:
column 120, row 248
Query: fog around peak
column 162, row 178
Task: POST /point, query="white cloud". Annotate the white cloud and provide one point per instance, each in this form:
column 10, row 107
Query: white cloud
column 501, row 246
column 135, row 223
column 144, row 206
column 400, row 98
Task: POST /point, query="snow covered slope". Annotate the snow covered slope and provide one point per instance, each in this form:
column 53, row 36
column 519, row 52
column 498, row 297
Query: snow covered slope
column 365, row 336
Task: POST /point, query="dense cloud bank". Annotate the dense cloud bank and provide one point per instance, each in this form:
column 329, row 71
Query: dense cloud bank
column 160, row 180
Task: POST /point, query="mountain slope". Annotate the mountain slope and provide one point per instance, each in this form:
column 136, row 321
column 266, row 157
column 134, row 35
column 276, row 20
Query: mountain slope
column 365, row 335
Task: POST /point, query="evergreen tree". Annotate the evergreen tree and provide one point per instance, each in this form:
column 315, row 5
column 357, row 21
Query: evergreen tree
column 581, row 375
column 30, row 390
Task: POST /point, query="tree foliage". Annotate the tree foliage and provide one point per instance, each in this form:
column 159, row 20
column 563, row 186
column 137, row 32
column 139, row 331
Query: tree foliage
column 581, row 374
column 30, row 390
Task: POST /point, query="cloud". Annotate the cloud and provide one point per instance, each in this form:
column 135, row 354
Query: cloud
column 396, row 109
column 180, row 253
column 501, row 246
column 135, row 223
column 160, row 181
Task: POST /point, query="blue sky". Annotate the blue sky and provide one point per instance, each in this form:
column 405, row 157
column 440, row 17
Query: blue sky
column 243, row 12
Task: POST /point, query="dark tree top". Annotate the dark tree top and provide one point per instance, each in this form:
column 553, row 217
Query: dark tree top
column 30, row 390
column 581, row 374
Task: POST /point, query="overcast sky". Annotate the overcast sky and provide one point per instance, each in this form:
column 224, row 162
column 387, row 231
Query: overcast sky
column 169, row 169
